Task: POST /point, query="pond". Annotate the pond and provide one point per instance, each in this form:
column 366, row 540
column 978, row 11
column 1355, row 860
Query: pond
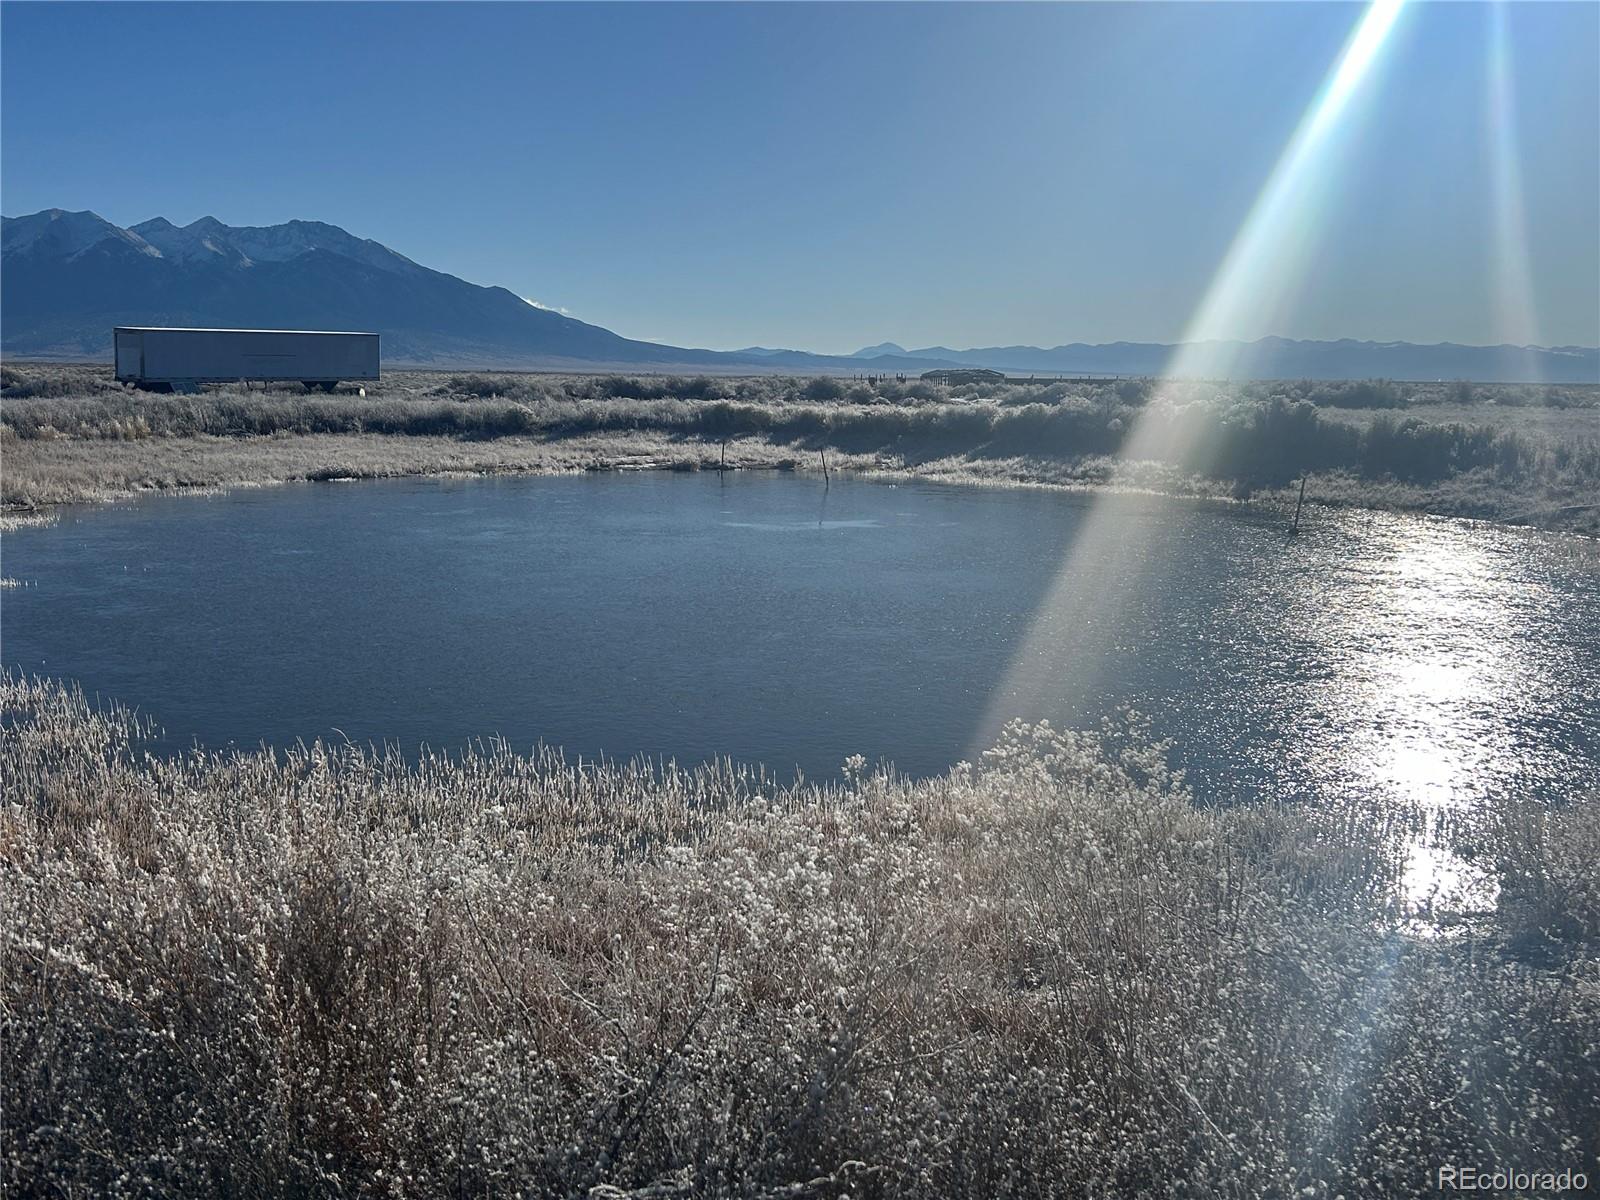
column 773, row 619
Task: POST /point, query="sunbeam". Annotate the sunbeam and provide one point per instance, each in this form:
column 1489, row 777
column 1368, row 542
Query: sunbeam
column 1062, row 652
column 1269, row 253
column 1516, row 320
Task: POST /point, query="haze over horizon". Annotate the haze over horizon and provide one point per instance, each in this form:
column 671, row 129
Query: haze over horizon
column 827, row 178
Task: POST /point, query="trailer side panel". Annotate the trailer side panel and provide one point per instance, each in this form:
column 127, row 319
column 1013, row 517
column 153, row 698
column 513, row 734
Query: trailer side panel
column 224, row 355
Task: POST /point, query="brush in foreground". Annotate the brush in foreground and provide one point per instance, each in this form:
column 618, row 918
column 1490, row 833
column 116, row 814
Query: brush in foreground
column 332, row 973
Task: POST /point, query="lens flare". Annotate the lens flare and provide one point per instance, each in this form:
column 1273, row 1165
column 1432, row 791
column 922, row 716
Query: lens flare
column 1061, row 652
column 1516, row 320
column 1269, row 253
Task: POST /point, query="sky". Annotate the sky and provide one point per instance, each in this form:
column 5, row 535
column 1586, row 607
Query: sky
column 830, row 176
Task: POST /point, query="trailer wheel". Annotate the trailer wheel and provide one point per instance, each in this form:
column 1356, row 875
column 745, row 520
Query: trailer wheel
column 321, row 385
column 159, row 388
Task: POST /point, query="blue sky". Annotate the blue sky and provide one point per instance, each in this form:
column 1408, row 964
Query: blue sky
column 830, row 176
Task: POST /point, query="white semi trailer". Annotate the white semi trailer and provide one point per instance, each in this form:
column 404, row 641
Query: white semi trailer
column 164, row 359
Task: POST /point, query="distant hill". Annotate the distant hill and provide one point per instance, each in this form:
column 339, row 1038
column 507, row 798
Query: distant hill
column 69, row 277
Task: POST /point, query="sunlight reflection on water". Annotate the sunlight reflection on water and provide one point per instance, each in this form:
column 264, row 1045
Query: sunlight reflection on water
column 1419, row 667
column 1436, row 655
column 1455, row 692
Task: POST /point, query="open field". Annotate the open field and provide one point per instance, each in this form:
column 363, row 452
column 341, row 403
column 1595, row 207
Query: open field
column 1510, row 453
column 1051, row 974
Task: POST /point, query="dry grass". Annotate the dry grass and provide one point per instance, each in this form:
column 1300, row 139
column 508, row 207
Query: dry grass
column 325, row 973
column 1520, row 454
column 76, row 470
column 1570, row 424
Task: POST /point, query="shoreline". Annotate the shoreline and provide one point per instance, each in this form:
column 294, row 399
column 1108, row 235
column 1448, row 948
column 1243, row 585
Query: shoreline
column 1506, row 454
column 82, row 471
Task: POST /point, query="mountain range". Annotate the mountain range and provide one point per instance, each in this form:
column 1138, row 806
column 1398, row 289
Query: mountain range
column 66, row 278
column 1286, row 358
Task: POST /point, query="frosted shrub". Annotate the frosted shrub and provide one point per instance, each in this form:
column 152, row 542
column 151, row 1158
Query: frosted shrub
column 329, row 973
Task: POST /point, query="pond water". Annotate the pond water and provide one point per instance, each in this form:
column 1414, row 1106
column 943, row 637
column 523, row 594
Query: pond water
column 771, row 619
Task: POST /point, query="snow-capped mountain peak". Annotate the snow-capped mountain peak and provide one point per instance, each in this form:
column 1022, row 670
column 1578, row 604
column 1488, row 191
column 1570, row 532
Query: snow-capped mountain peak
column 67, row 234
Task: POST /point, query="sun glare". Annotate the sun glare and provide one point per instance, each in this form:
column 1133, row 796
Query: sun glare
column 1268, row 255
column 1265, row 259
column 1516, row 320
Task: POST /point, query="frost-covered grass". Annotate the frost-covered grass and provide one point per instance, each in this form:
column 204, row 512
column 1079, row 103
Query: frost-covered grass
column 325, row 973
column 1515, row 453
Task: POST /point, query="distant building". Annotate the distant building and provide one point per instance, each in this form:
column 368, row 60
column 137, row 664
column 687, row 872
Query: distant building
column 963, row 375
